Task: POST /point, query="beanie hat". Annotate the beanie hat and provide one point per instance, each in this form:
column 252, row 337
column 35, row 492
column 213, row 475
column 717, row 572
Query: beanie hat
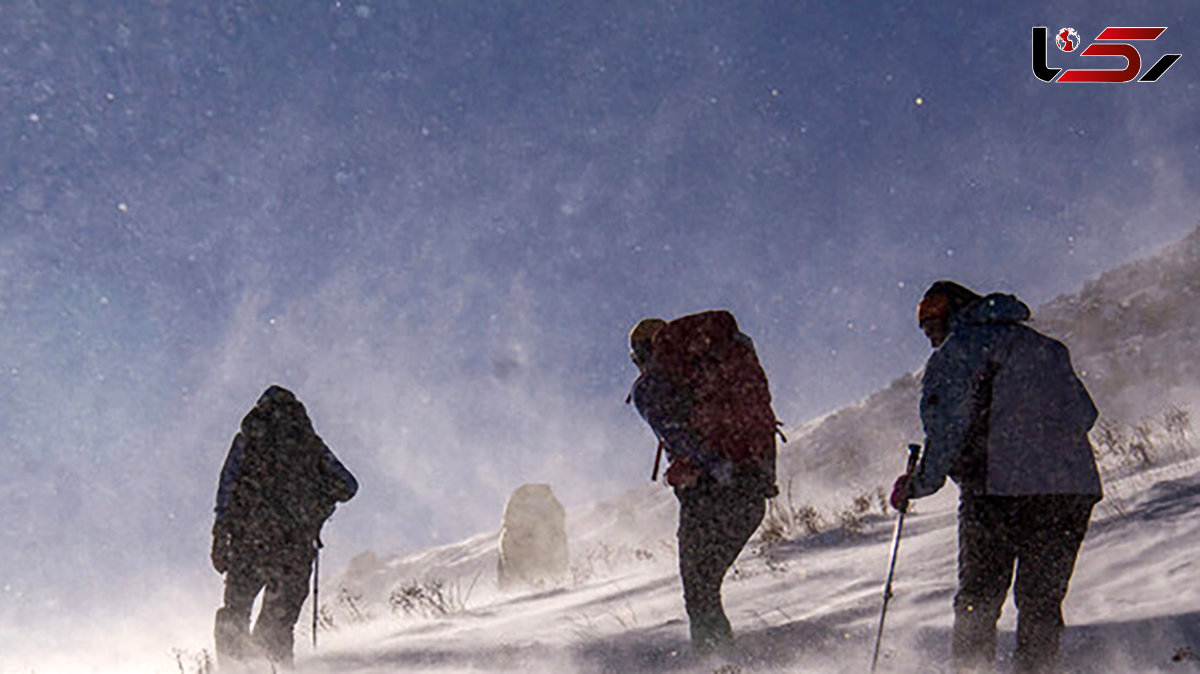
column 933, row 307
column 641, row 336
column 943, row 299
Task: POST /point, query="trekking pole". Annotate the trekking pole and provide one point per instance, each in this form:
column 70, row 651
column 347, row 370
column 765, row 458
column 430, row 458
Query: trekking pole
column 913, row 455
column 316, row 585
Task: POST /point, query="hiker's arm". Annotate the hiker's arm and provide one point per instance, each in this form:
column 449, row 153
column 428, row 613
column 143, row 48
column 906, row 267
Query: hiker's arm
column 343, row 485
column 229, row 474
column 665, row 409
column 1087, row 412
column 222, row 542
column 947, row 407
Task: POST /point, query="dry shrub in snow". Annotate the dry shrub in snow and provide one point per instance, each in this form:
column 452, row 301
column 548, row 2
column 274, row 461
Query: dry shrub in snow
column 188, row 662
column 430, row 598
column 784, row 520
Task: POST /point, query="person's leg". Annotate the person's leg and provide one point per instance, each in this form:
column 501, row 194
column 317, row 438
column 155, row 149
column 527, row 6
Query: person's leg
column 985, row 567
column 286, row 590
column 243, row 581
column 714, row 524
column 1052, row 529
column 698, row 568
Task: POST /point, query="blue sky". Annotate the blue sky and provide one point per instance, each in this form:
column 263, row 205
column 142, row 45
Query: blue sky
column 437, row 221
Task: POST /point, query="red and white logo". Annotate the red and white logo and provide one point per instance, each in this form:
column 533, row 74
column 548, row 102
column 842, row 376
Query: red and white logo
column 1112, row 41
column 1067, row 39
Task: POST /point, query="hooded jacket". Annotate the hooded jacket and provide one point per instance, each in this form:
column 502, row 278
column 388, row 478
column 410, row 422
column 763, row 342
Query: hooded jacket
column 1003, row 410
column 280, row 482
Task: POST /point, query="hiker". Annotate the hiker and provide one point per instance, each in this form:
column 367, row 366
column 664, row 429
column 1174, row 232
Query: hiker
column 278, row 486
column 705, row 396
column 1007, row 419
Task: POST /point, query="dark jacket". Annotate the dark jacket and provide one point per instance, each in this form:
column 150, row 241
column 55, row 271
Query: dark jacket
column 280, row 482
column 1003, row 410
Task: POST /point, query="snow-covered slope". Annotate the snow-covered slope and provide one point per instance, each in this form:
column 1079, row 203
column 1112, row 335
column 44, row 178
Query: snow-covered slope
column 1135, row 331
column 807, row 604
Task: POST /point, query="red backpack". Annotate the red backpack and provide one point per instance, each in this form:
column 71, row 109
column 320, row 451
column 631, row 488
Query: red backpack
column 706, row 355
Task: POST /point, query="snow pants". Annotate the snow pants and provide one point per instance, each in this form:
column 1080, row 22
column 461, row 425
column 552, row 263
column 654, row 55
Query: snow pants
column 715, row 522
column 1039, row 536
column 284, row 583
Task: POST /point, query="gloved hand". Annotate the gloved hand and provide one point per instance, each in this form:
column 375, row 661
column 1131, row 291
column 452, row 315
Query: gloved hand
column 682, row 473
column 222, row 548
column 899, row 497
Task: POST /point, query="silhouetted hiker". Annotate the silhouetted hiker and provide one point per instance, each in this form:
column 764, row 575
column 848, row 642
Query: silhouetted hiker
column 278, row 486
column 703, row 393
column 1007, row 419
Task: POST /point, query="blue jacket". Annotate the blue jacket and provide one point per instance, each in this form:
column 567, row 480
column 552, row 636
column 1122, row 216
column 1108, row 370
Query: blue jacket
column 1003, row 410
column 667, row 410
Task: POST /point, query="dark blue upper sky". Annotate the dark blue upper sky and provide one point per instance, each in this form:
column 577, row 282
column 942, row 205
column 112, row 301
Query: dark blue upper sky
column 437, row 221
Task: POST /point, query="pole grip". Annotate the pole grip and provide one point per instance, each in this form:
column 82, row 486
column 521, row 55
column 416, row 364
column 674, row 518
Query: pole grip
column 914, row 456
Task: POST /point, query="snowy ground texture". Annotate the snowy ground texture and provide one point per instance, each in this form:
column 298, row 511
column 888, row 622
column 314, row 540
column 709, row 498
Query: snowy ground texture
column 806, row 604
